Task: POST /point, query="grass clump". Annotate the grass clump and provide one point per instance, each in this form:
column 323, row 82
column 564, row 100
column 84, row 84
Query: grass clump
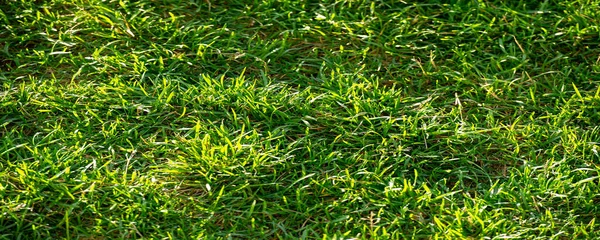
column 299, row 119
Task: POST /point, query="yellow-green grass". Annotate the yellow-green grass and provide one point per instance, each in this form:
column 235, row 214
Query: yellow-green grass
column 281, row 119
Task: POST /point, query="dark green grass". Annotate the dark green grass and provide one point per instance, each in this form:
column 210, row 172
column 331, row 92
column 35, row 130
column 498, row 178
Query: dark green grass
column 299, row 119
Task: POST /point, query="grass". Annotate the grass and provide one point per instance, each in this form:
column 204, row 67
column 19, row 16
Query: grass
column 280, row 119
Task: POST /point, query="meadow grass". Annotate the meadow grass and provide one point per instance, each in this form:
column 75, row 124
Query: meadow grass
column 283, row 119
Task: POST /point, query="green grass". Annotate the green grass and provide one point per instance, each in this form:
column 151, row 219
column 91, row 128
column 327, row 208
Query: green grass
column 282, row 119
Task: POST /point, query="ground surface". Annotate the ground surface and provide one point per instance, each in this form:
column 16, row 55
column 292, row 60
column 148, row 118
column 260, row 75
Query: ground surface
column 299, row 119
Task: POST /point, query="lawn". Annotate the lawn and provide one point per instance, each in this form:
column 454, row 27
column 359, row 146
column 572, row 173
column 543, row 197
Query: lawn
column 284, row 119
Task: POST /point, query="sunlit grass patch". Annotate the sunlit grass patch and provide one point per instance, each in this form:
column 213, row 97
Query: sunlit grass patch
column 299, row 119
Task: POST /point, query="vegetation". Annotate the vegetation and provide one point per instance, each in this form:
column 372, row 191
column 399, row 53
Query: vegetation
column 278, row 119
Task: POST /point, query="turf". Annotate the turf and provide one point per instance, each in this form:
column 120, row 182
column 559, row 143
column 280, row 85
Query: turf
column 282, row 119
